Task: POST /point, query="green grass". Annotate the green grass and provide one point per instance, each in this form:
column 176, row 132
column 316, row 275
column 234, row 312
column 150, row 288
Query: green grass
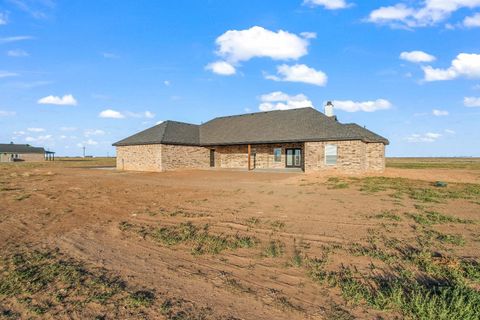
column 200, row 240
column 46, row 281
column 336, row 183
column 274, row 249
column 388, row 215
column 434, row 217
column 141, row 298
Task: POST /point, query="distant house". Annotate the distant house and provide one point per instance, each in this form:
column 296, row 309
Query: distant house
column 23, row 152
column 301, row 138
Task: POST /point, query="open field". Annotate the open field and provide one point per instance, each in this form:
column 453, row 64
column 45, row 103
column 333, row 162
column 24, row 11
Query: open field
column 78, row 243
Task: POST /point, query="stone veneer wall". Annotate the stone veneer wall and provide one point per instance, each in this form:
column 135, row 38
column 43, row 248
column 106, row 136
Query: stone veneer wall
column 184, row 157
column 352, row 156
column 146, row 157
column 237, row 156
column 27, row 157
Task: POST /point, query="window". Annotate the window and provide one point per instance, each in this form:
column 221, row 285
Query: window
column 277, row 154
column 330, row 154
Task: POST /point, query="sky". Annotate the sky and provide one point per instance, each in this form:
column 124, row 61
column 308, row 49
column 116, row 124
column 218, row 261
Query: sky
column 89, row 73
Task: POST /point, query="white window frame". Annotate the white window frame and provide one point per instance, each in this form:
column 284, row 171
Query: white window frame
column 330, row 151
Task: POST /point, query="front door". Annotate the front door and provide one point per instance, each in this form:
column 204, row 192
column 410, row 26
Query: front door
column 293, row 158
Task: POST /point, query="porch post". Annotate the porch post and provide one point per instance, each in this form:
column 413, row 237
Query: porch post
column 249, row 156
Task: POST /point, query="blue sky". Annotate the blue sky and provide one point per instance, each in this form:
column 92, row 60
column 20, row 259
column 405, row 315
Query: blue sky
column 76, row 73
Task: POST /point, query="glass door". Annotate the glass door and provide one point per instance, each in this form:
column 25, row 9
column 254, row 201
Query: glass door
column 293, row 158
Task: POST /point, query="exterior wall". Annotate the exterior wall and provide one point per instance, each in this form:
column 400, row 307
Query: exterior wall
column 352, row 156
column 237, row 156
column 375, row 157
column 161, row 157
column 185, row 157
column 146, row 157
column 27, row 157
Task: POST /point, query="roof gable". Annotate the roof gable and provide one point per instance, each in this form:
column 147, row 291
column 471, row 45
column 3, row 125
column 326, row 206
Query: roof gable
column 20, row 148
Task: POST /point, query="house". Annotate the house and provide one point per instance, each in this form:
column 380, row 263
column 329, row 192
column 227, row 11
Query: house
column 300, row 138
column 10, row 152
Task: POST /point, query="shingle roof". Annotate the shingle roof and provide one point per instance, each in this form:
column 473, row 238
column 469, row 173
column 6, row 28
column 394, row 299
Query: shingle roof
column 297, row 125
column 20, row 148
column 167, row 132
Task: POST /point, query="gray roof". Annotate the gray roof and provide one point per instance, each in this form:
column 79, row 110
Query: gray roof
column 20, row 148
column 297, row 125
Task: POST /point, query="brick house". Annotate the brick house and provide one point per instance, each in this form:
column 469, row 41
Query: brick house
column 11, row 152
column 304, row 138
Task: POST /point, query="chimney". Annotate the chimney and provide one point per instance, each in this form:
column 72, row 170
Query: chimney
column 329, row 109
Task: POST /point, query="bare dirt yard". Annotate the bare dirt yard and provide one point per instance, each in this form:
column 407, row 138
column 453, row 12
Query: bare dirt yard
column 84, row 243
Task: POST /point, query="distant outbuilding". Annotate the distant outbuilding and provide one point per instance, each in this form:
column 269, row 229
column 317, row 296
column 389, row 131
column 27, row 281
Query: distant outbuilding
column 11, row 152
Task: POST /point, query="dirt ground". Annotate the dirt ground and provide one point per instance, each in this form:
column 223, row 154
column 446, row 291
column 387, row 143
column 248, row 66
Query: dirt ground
column 219, row 244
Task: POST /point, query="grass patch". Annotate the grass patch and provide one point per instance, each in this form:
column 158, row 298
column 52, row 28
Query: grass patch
column 433, row 217
column 46, row 283
column 274, row 249
column 336, row 183
column 200, row 240
column 22, row 197
column 388, row 215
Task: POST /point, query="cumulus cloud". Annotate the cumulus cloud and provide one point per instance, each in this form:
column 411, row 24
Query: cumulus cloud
column 7, row 74
column 93, row 132
column 41, row 138
column 366, row 106
column 236, row 46
column 416, row 56
column 222, row 68
column 429, row 13
column 328, row 4
column 68, row 128
column 281, row 101
column 472, row 21
column 66, row 100
column 464, row 65
column 439, row 113
column 471, row 102
column 111, row 114
column 425, row 137
column 3, row 18
column 145, row 114
column 14, row 39
column 36, row 129
column 4, row 113
column 299, row 73
column 17, row 53
column 88, row 142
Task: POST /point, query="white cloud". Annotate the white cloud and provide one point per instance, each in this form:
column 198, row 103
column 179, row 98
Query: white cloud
column 4, row 113
column 145, row 114
column 221, row 67
column 439, row 113
column 111, row 114
column 6, row 74
column 166, row 82
column 66, row 100
column 417, row 56
column 17, row 53
column 41, row 138
column 429, row 13
column 450, row 131
column 160, row 121
column 464, row 65
column 235, row 46
column 93, row 132
column 426, row 137
column 473, row 21
column 3, row 18
column 19, row 133
column 281, row 101
column 299, row 73
column 14, row 39
column 36, row 129
column 471, row 102
column 88, row 142
column 328, row 4
column 366, row 106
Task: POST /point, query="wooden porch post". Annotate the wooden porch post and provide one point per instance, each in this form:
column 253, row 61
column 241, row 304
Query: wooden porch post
column 249, row 156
